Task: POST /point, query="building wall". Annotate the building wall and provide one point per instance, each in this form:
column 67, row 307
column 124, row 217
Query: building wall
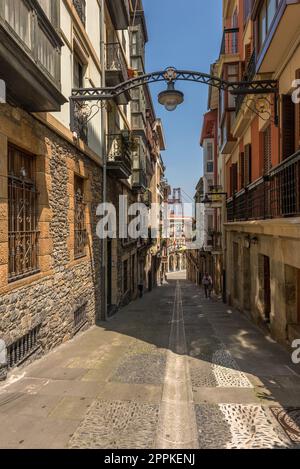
column 262, row 261
column 50, row 298
column 245, row 280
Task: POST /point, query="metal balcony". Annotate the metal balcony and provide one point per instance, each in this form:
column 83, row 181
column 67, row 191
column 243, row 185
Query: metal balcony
column 119, row 163
column 30, row 56
column 147, row 198
column 119, row 13
column 116, row 70
column 216, row 242
column 276, row 195
column 80, row 7
column 139, row 180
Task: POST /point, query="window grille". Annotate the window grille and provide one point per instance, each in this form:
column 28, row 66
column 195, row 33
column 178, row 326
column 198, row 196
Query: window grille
column 80, row 318
column 80, row 229
column 23, row 348
column 22, row 213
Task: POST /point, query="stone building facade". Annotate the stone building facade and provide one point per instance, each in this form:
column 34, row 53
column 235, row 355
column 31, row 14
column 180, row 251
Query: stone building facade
column 259, row 164
column 63, row 294
column 54, row 277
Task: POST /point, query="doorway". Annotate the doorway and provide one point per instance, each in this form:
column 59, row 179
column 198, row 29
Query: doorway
column 247, row 280
column 267, row 287
column 109, row 273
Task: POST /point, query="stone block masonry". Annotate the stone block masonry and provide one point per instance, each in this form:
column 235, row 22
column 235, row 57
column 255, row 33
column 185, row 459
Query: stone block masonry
column 49, row 299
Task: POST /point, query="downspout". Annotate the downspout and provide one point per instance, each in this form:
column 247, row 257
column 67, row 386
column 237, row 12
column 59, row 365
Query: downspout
column 104, row 156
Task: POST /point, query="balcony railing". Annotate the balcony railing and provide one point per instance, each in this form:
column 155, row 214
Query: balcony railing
column 147, row 198
column 80, row 7
column 115, row 60
column 230, row 41
column 139, row 179
column 119, row 154
column 276, row 195
column 30, row 44
column 216, row 241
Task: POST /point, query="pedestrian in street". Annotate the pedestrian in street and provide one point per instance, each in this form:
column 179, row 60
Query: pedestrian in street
column 141, row 289
column 208, row 285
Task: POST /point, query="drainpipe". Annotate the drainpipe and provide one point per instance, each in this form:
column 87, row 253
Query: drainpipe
column 104, row 156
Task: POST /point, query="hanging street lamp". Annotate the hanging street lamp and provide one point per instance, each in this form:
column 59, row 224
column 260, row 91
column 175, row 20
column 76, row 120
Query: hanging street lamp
column 171, row 98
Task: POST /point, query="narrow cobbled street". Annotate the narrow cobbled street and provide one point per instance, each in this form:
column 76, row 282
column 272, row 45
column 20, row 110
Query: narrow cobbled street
column 172, row 370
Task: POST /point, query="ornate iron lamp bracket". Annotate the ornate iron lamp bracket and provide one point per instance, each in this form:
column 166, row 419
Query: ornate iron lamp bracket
column 82, row 110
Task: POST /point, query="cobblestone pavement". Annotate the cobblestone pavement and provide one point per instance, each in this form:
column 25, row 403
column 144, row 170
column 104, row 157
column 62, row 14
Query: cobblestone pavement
column 172, row 370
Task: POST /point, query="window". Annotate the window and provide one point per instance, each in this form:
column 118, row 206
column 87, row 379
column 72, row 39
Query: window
column 210, row 222
column 248, row 164
column 288, row 126
column 210, row 167
column 23, row 348
column 78, row 72
column 22, row 213
column 297, row 118
column 247, row 9
column 51, row 9
column 242, row 169
column 266, row 16
column 233, row 179
column 267, row 148
column 80, row 317
column 210, row 152
column 17, row 15
column 79, row 222
column 232, row 77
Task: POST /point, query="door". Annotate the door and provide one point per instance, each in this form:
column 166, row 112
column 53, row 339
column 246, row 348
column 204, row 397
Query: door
column 267, row 288
column 298, row 297
column 150, row 284
column 109, row 272
column 133, row 274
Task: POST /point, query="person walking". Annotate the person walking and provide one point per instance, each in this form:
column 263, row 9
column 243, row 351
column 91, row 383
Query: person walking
column 141, row 289
column 208, row 285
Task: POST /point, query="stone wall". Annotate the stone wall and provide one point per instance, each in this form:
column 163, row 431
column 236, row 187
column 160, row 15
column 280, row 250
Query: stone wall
column 50, row 298
column 278, row 240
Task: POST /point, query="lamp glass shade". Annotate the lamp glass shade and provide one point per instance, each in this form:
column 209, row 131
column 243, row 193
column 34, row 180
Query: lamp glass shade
column 171, row 98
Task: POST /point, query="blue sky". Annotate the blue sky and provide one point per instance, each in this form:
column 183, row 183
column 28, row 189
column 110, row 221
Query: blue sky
column 185, row 34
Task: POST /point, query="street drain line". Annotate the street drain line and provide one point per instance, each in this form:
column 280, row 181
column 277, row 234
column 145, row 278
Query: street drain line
column 177, row 426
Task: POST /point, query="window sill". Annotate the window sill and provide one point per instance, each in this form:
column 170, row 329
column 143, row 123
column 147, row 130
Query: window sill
column 23, row 277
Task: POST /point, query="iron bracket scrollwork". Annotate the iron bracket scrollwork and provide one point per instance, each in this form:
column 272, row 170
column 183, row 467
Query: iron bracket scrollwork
column 82, row 112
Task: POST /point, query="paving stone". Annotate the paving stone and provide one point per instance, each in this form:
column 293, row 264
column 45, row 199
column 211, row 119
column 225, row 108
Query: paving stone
column 117, row 425
column 141, row 369
column 231, row 426
column 165, row 372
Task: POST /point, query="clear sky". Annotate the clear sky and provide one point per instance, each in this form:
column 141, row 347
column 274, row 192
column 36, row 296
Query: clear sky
column 185, row 34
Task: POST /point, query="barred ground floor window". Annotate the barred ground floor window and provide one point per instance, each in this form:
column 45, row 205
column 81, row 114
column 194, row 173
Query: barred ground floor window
column 23, row 231
column 80, row 235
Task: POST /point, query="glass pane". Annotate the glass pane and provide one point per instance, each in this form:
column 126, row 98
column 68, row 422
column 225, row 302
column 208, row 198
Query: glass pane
column 17, row 15
column 271, row 11
column 262, row 25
